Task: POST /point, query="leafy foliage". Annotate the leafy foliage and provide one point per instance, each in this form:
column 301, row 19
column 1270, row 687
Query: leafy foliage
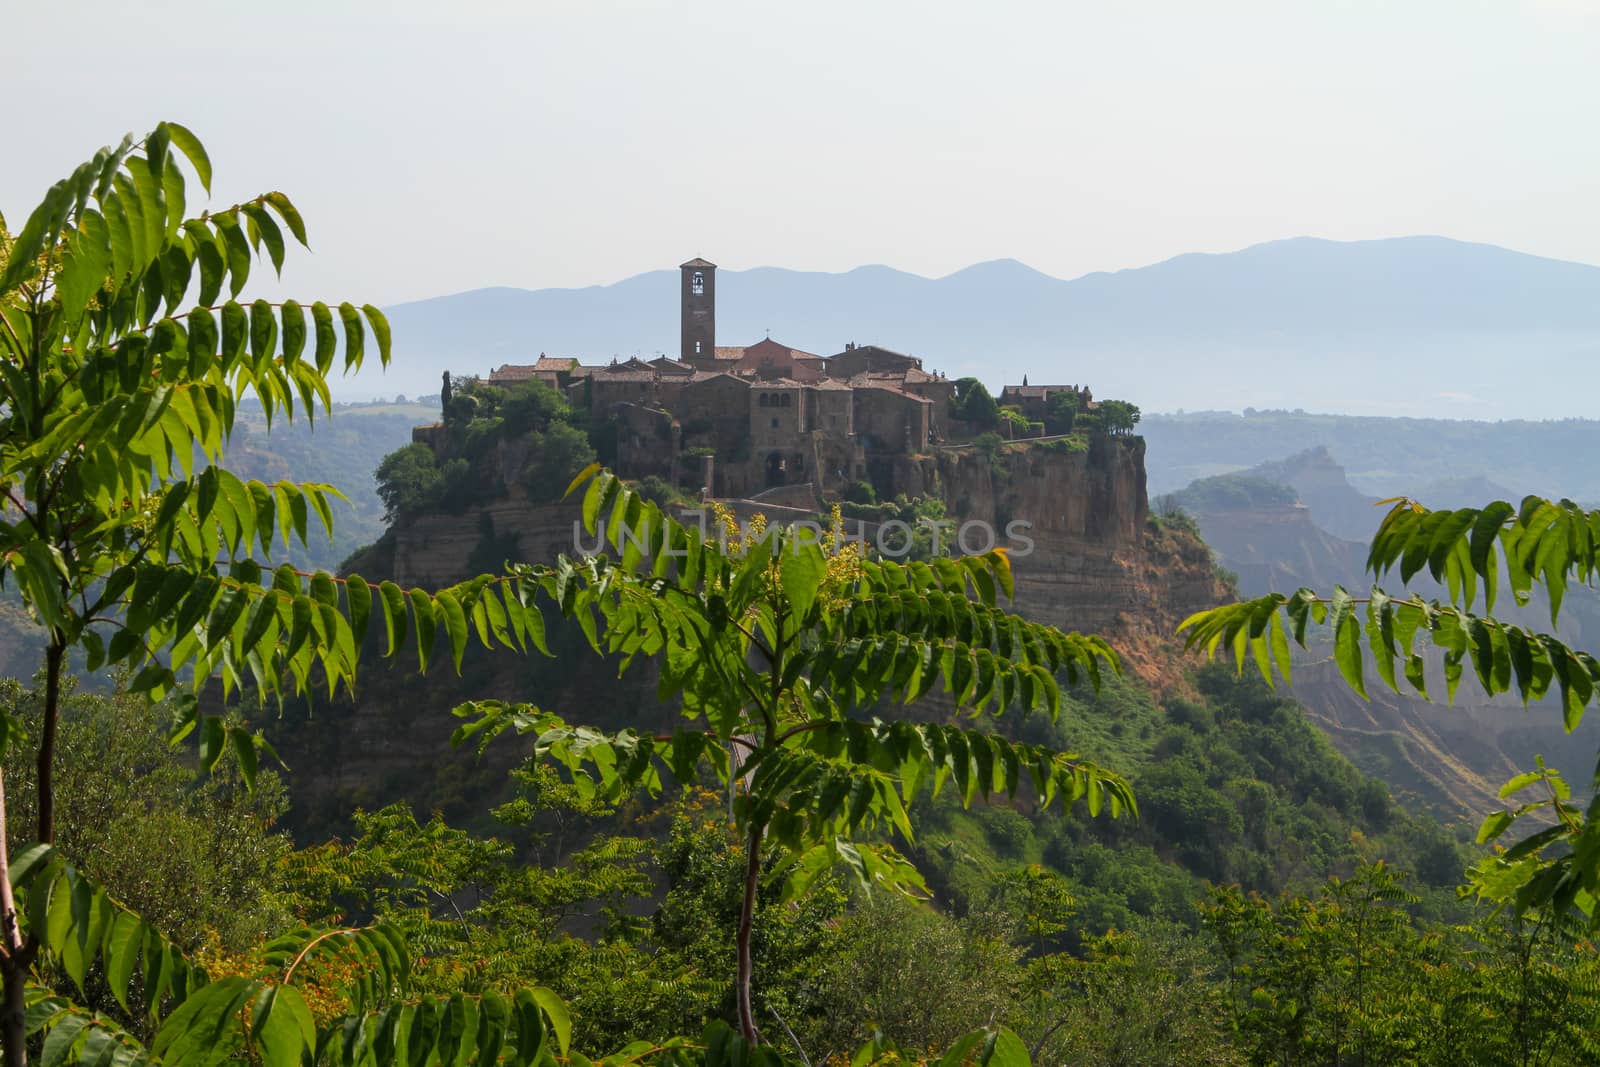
column 1060, row 411
column 770, row 645
column 973, row 402
column 196, row 860
column 1118, row 416
column 1471, row 552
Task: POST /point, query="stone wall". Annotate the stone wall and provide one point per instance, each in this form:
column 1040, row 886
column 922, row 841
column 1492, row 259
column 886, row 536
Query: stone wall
column 888, row 420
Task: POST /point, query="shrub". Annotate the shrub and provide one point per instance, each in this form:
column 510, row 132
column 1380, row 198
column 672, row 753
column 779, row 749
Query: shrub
column 861, row 493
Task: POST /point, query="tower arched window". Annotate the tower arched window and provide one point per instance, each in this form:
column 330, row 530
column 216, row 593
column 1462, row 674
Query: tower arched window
column 697, row 284
column 765, row 400
column 787, row 399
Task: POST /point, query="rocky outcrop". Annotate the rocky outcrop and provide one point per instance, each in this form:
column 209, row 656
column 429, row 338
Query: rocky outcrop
column 1084, row 557
column 435, row 550
column 1094, row 564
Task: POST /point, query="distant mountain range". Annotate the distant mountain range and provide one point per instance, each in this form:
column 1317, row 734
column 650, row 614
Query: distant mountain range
column 1417, row 326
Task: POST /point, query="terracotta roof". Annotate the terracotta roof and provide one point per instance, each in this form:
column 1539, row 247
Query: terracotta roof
column 606, row 374
column 512, row 372
column 671, row 366
column 887, row 388
column 831, row 384
column 698, row 262
column 1040, row 391
column 555, row 363
column 878, row 349
column 768, row 345
column 728, row 352
column 707, row 375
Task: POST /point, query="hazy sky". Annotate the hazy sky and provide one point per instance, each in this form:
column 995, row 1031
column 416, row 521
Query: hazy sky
column 435, row 147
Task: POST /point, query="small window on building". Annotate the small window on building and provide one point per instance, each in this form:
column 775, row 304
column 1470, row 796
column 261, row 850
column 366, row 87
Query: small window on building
column 763, row 400
column 697, row 284
column 787, row 399
column 774, row 424
column 697, row 348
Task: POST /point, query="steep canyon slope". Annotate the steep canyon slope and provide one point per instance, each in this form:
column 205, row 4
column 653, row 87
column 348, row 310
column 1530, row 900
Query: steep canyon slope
column 1453, row 758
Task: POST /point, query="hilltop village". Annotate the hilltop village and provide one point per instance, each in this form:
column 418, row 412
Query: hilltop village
column 742, row 421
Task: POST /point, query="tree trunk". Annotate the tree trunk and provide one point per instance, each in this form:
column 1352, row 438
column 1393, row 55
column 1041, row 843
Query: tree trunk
column 47, row 740
column 15, row 957
column 747, row 914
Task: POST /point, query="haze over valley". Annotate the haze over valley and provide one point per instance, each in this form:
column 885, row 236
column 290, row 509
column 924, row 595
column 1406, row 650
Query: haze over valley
column 1417, row 326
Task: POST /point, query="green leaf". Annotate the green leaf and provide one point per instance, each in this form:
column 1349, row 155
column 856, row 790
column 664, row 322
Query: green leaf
column 380, row 331
column 354, row 336
column 193, row 150
column 244, row 750
column 294, row 330
column 1494, row 825
column 394, row 615
column 290, row 216
column 555, row 1009
column 283, row 1027
column 455, row 625
column 327, row 339
column 802, row 570
column 1004, row 1049
column 267, row 231
column 1347, row 653
column 422, row 613
column 213, row 736
column 124, row 950
column 263, row 331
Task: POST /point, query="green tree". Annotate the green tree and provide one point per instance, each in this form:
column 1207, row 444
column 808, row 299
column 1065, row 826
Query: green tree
column 1145, row 996
column 776, row 647
column 409, row 480
column 193, row 859
column 973, row 402
column 556, row 455
column 110, row 390
column 1118, row 416
column 1059, row 412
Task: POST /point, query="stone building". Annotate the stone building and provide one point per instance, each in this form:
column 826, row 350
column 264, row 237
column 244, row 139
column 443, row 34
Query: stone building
column 754, row 417
column 1034, row 400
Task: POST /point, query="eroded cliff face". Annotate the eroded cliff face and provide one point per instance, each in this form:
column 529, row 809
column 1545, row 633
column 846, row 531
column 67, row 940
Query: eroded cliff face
column 1095, row 565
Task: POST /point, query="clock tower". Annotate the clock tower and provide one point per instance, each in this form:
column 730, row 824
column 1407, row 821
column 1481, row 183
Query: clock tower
column 699, row 312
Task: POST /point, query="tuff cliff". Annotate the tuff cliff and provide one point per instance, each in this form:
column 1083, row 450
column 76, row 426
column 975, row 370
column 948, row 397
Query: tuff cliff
column 1096, row 564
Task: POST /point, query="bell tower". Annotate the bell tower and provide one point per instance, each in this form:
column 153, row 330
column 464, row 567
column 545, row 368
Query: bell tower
column 699, row 312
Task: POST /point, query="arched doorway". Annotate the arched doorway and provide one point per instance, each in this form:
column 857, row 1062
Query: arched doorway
column 775, row 469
